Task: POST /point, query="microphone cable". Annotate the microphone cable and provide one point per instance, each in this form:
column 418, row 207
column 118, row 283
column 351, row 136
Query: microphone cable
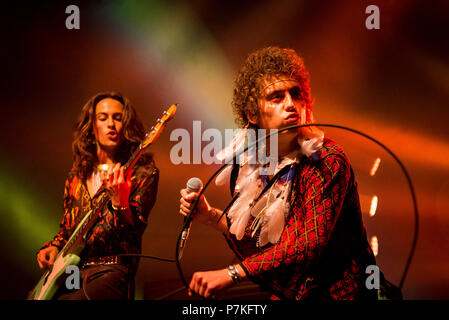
column 404, row 170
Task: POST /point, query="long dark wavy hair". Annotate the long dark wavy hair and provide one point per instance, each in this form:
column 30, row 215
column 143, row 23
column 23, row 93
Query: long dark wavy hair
column 84, row 144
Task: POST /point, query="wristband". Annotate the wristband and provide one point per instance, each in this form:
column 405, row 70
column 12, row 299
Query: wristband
column 119, row 208
column 234, row 274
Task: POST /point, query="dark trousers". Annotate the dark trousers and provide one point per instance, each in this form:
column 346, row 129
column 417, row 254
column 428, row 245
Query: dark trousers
column 101, row 282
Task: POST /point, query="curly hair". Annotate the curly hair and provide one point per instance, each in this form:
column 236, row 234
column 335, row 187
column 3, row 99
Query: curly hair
column 84, row 144
column 264, row 64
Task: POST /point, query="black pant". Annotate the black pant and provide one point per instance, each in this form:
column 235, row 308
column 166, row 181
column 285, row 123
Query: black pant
column 101, row 282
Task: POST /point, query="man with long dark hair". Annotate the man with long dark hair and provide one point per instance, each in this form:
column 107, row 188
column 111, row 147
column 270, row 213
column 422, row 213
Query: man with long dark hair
column 108, row 131
column 298, row 230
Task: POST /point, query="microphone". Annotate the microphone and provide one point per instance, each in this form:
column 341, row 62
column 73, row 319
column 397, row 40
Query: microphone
column 193, row 185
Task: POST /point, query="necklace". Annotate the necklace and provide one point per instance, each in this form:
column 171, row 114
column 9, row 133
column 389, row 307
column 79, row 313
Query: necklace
column 99, row 175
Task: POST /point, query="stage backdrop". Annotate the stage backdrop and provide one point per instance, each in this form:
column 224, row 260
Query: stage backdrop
column 391, row 83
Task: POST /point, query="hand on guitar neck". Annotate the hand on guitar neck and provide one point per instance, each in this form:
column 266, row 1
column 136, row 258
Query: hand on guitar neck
column 46, row 257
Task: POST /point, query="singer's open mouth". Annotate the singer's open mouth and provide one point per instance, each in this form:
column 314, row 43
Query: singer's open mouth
column 292, row 118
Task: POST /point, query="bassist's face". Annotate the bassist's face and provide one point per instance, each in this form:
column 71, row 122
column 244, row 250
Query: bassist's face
column 108, row 125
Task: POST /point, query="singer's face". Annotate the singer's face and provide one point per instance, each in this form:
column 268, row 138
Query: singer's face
column 108, row 126
column 280, row 105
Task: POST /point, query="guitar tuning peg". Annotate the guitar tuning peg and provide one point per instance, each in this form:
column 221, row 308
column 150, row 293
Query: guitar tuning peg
column 159, row 120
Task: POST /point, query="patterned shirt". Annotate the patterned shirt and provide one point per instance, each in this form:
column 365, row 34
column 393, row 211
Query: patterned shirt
column 111, row 235
column 323, row 250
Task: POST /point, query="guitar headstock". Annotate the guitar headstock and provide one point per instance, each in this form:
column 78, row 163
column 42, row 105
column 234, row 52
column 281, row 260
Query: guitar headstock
column 156, row 130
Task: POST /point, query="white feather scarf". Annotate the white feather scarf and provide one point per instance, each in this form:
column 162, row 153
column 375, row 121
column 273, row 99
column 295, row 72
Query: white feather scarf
column 271, row 210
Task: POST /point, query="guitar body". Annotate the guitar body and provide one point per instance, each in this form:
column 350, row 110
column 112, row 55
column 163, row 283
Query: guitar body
column 52, row 279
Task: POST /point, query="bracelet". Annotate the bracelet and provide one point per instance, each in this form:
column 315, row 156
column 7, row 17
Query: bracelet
column 119, row 208
column 234, row 274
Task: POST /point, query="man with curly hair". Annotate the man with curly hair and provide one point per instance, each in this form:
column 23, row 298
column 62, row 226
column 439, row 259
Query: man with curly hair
column 299, row 232
column 107, row 133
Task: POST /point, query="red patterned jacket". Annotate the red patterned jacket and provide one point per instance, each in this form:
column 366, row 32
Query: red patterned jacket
column 323, row 251
column 111, row 235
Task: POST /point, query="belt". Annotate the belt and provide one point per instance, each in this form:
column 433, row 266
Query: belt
column 104, row 261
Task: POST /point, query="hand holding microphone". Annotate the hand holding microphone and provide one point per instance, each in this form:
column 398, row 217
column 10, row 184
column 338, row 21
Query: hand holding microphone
column 204, row 213
column 188, row 197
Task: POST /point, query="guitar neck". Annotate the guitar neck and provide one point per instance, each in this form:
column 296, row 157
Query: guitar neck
column 129, row 165
column 77, row 240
